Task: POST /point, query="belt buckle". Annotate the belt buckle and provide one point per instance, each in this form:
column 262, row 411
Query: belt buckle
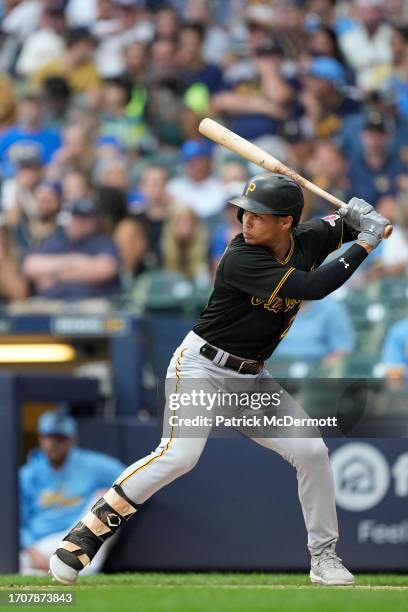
column 257, row 367
column 241, row 365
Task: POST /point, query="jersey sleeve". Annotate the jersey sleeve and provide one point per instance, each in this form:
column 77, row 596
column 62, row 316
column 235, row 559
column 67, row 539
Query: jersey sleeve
column 323, row 236
column 255, row 274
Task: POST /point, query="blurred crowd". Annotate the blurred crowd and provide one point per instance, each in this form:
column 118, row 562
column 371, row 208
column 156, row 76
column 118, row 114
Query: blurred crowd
column 103, row 174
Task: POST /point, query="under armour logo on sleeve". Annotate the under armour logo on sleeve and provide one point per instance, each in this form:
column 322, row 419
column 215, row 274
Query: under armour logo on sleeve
column 344, row 262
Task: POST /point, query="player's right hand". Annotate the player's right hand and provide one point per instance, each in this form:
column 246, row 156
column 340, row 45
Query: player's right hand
column 372, row 228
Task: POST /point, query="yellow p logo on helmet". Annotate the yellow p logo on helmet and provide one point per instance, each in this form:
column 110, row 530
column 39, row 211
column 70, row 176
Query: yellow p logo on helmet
column 251, row 187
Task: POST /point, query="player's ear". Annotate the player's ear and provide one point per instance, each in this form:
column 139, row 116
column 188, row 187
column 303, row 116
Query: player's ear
column 287, row 222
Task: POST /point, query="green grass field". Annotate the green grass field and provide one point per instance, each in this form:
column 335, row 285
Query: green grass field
column 221, row 592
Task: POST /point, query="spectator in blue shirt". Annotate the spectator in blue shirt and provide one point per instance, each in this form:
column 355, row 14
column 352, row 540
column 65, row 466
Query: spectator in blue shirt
column 323, row 332
column 255, row 101
column 395, row 352
column 52, row 496
column 375, row 170
column 76, row 262
column 223, row 234
column 29, row 131
column 193, row 67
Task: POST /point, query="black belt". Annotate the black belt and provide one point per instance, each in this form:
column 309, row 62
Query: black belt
column 243, row 366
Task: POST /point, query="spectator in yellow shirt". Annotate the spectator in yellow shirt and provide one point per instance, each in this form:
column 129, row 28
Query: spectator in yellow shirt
column 76, row 65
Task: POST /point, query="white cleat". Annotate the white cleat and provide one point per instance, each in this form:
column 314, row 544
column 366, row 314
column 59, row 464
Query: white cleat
column 327, row 569
column 61, row 572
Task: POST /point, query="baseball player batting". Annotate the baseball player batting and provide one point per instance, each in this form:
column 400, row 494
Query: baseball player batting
column 264, row 274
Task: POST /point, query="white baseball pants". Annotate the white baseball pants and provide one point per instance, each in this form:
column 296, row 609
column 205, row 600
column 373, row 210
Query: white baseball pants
column 176, row 456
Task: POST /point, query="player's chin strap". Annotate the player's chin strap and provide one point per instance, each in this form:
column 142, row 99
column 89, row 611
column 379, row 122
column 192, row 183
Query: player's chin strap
column 79, row 547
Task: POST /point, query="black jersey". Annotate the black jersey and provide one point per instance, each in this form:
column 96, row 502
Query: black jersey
column 249, row 311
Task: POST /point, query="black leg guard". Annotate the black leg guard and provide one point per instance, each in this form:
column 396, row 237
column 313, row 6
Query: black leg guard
column 81, row 544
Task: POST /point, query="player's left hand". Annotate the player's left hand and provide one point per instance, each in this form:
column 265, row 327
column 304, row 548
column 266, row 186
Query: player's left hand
column 354, row 211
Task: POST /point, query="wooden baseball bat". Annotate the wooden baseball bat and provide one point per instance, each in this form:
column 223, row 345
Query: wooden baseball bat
column 223, row 136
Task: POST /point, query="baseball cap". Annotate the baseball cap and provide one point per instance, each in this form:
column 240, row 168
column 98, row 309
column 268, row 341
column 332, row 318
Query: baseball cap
column 26, row 154
column 329, row 69
column 58, row 423
column 195, row 148
column 376, row 122
column 54, row 185
column 292, row 131
column 270, row 47
column 56, row 7
column 129, row 3
column 84, row 207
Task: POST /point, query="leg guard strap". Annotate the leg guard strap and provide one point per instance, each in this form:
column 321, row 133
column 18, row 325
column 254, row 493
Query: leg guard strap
column 82, row 543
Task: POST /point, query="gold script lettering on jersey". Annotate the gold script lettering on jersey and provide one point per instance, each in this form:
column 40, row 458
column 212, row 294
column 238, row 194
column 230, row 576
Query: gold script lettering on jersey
column 276, row 304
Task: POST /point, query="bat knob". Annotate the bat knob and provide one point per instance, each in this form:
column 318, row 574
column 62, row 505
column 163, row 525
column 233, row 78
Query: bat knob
column 388, row 231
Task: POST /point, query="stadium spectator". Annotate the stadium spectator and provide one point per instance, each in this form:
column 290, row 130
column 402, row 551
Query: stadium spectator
column 77, row 261
column 298, row 147
column 17, row 192
column 323, row 42
column 328, row 169
column 288, row 27
column 184, row 244
column 76, row 152
column 193, row 67
column 8, row 106
column 30, row 131
column 375, row 170
column 396, row 11
column 396, row 81
column 369, row 45
column 52, row 496
column 57, row 99
column 123, row 113
column 76, row 185
column 139, row 235
column 198, row 187
column 323, row 99
column 112, row 207
column 166, row 23
column 166, row 112
column 114, row 172
column 82, row 15
column 224, row 233
column 76, row 65
column 392, row 258
column 22, row 18
column 137, row 59
column 394, row 358
column 321, row 13
column 317, row 338
column 33, row 229
column 46, row 43
column 13, row 285
column 377, row 103
column 256, row 101
column 130, row 23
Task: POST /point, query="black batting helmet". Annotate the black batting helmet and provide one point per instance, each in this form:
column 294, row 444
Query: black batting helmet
column 271, row 194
